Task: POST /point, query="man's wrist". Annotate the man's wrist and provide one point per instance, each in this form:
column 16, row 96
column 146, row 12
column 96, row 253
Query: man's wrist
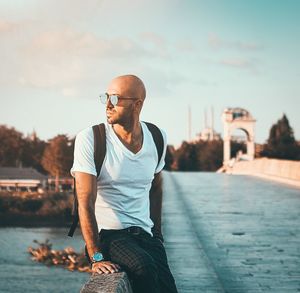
column 97, row 257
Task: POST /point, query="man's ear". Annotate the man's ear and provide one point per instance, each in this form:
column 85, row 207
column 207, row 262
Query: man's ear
column 138, row 105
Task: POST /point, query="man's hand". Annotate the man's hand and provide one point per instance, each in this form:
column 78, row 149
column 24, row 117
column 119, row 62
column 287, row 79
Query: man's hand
column 105, row 267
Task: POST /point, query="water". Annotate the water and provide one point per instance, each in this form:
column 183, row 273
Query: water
column 18, row 273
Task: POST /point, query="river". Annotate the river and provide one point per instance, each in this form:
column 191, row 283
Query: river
column 18, row 273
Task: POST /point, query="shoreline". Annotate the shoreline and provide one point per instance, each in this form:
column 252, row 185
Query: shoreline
column 32, row 210
column 34, row 222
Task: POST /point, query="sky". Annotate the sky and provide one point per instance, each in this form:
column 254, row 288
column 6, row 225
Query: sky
column 57, row 56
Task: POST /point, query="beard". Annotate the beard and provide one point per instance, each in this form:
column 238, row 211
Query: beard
column 111, row 116
column 123, row 116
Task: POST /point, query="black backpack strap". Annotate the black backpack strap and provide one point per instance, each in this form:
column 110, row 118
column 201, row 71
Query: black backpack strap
column 158, row 139
column 99, row 146
column 99, row 155
column 74, row 212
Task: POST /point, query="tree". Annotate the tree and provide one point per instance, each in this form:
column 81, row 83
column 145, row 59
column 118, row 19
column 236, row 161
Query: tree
column 32, row 153
column 210, row 155
column 186, row 157
column 199, row 156
column 169, row 159
column 57, row 157
column 281, row 143
column 235, row 147
column 11, row 144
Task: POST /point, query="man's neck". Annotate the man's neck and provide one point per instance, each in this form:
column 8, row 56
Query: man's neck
column 130, row 132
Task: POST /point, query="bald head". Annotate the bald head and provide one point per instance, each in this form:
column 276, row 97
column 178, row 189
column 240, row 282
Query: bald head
column 128, row 85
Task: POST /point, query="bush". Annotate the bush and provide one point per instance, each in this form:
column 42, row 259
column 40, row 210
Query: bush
column 31, row 205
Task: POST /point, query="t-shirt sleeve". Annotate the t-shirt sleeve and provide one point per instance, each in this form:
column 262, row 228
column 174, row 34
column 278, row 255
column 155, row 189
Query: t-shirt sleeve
column 162, row 160
column 84, row 153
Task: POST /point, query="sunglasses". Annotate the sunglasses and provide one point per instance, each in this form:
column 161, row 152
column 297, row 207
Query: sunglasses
column 114, row 99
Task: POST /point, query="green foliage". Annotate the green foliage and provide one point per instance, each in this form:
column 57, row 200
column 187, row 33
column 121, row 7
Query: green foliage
column 210, row 155
column 187, row 157
column 202, row 155
column 54, row 157
column 199, row 156
column 169, row 159
column 58, row 156
column 235, row 147
column 31, row 205
column 11, row 145
column 47, row 205
column 281, row 143
column 32, row 153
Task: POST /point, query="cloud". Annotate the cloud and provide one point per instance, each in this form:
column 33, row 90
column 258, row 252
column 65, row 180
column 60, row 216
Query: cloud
column 7, row 26
column 240, row 63
column 154, row 38
column 69, row 42
column 217, row 43
column 62, row 57
column 79, row 64
column 185, row 45
column 70, row 92
column 248, row 46
column 158, row 44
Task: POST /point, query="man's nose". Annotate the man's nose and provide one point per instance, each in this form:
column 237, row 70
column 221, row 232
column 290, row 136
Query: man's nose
column 109, row 104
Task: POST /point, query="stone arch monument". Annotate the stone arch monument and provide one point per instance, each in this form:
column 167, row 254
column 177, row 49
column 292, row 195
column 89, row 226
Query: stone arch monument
column 237, row 118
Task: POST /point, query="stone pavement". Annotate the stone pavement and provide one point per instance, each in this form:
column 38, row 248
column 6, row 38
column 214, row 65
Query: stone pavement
column 227, row 233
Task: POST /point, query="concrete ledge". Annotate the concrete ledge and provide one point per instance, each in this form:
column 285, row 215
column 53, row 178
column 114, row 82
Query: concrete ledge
column 283, row 171
column 114, row 283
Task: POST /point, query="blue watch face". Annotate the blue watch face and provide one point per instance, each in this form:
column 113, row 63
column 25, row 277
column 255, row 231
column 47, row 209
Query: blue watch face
column 97, row 256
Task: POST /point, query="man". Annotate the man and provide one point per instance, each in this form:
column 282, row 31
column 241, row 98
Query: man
column 124, row 202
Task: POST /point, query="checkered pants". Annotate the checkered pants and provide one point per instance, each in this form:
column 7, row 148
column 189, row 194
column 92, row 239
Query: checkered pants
column 142, row 257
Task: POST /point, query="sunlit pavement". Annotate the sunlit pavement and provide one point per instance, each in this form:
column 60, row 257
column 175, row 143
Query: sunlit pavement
column 227, row 233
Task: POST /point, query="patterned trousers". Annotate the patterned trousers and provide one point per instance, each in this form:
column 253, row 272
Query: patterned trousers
column 142, row 256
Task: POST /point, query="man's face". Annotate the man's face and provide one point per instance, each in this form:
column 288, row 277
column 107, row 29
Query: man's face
column 123, row 112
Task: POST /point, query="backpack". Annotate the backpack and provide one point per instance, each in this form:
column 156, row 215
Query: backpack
column 99, row 155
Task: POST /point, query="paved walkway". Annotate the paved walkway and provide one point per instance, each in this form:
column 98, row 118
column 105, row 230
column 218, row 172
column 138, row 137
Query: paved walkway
column 231, row 233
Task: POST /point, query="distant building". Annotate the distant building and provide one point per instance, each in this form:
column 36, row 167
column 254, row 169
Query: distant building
column 22, row 179
column 209, row 134
column 238, row 118
column 64, row 184
column 33, row 136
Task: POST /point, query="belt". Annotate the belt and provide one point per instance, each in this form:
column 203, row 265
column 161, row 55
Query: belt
column 135, row 230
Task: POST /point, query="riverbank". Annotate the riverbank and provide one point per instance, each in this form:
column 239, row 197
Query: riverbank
column 35, row 210
column 282, row 171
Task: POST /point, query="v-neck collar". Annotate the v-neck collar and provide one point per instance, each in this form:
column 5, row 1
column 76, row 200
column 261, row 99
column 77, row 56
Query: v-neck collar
column 123, row 147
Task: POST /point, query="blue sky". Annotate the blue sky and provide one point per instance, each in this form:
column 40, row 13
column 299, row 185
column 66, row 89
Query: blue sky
column 57, row 56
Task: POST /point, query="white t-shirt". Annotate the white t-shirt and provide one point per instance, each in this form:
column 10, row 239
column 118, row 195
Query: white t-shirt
column 125, row 178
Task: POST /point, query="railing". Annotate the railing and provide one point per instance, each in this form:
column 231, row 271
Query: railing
column 114, row 283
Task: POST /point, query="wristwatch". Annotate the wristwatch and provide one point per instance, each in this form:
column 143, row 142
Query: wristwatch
column 97, row 256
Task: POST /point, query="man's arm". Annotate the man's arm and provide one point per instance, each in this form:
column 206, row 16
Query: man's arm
column 86, row 194
column 86, row 188
column 156, row 205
